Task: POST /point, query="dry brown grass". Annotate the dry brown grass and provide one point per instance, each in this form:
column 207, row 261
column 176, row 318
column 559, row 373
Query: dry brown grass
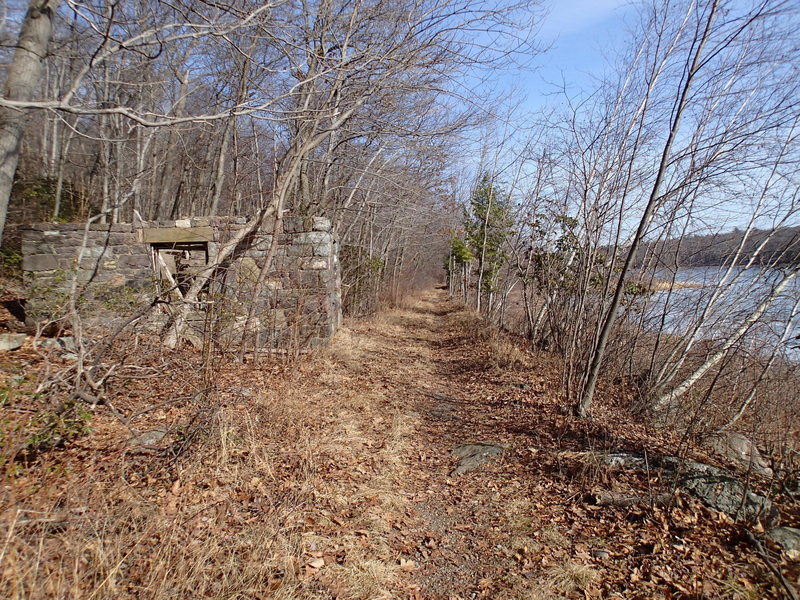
column 272, row 486
column 471, row 325
column 115, row 540
column 343, row 350
column 569, row 577
column 560, row 582
column 506, row 354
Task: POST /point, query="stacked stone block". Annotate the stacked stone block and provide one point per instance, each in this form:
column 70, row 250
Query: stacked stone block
column 300, row 299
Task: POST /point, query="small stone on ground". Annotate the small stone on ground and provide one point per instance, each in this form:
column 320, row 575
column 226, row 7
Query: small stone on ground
column 475, row 455
column 148, row 438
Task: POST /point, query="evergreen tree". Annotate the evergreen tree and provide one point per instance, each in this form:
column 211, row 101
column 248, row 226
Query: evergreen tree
column 488, row 223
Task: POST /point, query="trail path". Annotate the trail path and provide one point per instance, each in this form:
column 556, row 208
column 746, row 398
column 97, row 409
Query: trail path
column 413, row 355
column 423, row 381
column 458, row 536
column 350, row 474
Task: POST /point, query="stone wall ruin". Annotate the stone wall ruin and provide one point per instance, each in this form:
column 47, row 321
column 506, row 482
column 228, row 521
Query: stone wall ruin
column 300, row 300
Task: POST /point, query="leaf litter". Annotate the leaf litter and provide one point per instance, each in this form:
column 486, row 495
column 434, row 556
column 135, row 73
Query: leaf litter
column 331, row 478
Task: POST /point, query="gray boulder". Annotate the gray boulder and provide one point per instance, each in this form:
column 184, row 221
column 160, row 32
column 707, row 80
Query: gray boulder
column 740, row 450
column 474, row 455
column 11, row 341
column 788, row 538
column 717, row 489
column 625, row 460
column 66, row 343
column 149, row 438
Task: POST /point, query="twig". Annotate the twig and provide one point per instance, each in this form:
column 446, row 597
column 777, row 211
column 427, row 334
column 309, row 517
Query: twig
column 88, row 398
column 610, row 498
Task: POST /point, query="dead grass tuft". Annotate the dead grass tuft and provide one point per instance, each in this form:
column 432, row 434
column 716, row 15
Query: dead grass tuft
column 733, row 589
column 551, row 536
column 506, row 353
column 343, row 349
column 471, row 326
column 569, row 577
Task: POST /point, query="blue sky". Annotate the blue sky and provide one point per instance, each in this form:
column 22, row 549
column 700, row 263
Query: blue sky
column 579, row 33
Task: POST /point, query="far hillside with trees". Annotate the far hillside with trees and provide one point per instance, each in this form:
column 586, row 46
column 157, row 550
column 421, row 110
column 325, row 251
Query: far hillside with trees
column 779, row 246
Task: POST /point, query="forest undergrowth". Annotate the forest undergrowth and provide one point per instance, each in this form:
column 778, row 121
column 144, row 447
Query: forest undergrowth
column 330, row 477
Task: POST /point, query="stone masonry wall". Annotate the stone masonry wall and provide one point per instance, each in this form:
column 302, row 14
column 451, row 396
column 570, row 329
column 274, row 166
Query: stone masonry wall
column 300, row 303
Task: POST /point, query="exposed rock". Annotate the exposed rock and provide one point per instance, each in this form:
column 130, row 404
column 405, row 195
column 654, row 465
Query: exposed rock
column 66, row 343
column 788, row 538
column 625, row 460
column 717, row 489
column 444, row 408
column 243, row 391
column 11, row 341
column 739, row 449
column 520, row 385
column 149, row 438
column 474, row 455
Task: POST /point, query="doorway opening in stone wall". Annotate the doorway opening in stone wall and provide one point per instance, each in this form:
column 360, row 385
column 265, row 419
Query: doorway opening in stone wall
column 176, row 264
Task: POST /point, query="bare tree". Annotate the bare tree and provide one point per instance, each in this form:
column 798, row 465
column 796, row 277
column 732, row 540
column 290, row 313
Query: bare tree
column 22, row 83
column 701, row 99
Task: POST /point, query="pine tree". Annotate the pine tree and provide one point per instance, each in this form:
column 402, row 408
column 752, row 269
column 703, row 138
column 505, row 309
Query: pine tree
column 488, row 223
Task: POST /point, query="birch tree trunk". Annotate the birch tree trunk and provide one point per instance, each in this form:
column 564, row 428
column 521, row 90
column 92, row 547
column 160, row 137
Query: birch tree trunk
column 666, row 401
column 693, row 67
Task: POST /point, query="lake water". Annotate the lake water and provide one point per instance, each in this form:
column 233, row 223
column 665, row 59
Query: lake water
column 722, row 300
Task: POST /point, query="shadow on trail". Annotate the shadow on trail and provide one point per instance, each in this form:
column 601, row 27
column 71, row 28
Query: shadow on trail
column 523, row 408
column 460, row 398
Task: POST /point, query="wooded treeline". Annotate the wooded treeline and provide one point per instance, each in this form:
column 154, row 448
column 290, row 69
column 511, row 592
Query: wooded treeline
column 780, row 246
column 340, row 109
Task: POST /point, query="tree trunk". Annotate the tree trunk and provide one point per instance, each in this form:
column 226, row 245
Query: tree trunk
column 24, row 79
column 62, row 164
column 219, row 178
column 666, row 401
column 581, row 408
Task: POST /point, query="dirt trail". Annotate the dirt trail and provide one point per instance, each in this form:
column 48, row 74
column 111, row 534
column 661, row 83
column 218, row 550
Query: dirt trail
column 463, row 533
column 519, row 526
